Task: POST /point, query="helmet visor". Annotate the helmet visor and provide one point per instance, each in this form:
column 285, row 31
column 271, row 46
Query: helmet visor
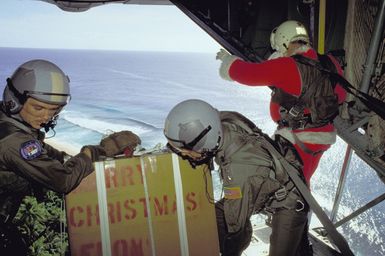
column 188, row 145
column 48, row 97
column 61, row 99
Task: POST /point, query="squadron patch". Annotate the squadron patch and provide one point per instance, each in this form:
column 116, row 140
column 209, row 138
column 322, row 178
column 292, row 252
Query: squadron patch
column 30, row 150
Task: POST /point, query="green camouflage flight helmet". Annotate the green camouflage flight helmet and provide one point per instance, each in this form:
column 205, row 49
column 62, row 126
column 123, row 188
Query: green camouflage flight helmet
column 194, row 125
column 39, row 79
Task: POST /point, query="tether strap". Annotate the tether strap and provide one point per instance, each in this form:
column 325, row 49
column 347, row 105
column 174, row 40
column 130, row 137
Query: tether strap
column 334, row 235
column 372, row 103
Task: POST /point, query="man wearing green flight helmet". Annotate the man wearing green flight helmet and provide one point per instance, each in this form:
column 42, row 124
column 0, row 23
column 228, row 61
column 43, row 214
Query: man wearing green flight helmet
column 33, row 97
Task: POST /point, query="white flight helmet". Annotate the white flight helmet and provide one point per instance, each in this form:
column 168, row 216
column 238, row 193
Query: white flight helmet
column 194, row 125
column 289, row 31
column 39, row 79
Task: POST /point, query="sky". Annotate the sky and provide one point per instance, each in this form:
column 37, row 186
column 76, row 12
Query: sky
column 37, row 24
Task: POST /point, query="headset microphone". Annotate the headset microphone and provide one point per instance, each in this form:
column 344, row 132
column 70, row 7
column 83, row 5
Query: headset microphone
column 50, row 124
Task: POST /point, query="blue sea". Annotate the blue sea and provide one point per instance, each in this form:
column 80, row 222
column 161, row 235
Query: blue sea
column 113, row 91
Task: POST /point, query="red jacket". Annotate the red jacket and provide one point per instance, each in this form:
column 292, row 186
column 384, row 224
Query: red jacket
column 284, row 74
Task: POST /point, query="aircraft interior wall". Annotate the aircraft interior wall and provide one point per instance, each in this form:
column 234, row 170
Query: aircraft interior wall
column 245, row 26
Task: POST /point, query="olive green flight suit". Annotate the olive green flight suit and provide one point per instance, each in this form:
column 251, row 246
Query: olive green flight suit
column 249, row 182
column 26, row 162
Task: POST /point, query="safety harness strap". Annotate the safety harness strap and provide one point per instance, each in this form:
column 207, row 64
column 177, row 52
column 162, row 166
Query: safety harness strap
column 283, row 166
column 370, row 102
column 287, row 196
column 334, row 235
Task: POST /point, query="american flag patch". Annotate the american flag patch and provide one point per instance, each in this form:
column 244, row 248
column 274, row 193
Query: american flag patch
column 232, row 192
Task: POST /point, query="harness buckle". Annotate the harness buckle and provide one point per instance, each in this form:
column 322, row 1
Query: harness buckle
column 280, row 194
column 295, row 111
column 301, row 124
column 300, row 206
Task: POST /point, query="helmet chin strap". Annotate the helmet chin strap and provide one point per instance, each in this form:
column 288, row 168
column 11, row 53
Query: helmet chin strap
column 207, row 158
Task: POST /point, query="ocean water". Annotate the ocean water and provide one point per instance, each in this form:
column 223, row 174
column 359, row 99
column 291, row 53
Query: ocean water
column 113, row 91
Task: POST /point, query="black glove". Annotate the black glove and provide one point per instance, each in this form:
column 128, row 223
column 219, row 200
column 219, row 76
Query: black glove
column 97, row 152
column 120, row 142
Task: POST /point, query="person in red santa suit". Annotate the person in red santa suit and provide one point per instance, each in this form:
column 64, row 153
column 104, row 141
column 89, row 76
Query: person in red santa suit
column 304, row 103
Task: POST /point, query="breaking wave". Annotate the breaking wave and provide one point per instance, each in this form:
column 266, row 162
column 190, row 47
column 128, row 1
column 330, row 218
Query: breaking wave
column 85, row 129
column 103, row 124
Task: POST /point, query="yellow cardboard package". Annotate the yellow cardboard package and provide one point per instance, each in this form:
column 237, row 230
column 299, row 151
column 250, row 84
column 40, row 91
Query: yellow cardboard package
column 150, row 205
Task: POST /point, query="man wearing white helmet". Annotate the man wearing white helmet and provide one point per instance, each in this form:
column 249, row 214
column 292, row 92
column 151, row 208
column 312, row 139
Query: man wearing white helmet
column 32, row 99
column 199, row 133
column 288, row 34
column 303, row 104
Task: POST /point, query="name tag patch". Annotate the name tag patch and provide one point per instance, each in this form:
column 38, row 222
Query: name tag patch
column 30, row 150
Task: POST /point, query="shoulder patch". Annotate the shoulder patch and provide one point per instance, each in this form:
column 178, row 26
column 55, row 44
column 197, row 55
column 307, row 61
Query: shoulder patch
column 30, row 150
